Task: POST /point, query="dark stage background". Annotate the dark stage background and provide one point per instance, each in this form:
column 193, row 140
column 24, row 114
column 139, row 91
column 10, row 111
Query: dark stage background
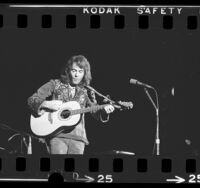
column 164, row 59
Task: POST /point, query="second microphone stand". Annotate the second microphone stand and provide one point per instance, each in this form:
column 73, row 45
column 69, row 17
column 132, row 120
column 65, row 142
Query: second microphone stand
column 156, row 106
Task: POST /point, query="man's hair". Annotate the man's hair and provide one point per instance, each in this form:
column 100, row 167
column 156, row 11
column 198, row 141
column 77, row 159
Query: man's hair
column 81, row 62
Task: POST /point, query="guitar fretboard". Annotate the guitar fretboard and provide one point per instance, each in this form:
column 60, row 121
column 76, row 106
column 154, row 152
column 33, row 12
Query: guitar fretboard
column 89, row 109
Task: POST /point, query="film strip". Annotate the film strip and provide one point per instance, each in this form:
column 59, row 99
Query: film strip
column 101, row 170
column 142, row 131
column 144, row 16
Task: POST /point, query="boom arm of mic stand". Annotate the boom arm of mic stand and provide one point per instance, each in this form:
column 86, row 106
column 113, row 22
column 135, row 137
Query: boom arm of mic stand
column 106, row 98
column 157, row 119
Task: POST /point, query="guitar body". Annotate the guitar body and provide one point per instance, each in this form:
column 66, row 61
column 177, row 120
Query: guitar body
column 51, row 123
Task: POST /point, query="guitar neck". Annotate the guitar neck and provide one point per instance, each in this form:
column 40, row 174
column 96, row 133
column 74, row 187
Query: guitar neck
column 89, row 109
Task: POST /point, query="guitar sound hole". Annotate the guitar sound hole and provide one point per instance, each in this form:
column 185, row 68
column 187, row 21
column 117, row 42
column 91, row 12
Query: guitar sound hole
column 65, row 114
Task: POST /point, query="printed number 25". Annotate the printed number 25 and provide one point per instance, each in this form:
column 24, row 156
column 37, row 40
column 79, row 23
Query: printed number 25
column 105, row 179
column 194, row 178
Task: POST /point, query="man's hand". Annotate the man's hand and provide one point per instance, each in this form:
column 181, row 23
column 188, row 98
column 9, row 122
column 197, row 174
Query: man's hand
column 109, row 108
column 52, row 105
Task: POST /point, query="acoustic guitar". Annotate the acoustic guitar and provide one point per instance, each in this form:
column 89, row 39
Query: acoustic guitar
column 68, row 116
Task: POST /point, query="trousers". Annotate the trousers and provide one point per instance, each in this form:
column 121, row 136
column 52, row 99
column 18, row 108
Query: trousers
column 66, row 146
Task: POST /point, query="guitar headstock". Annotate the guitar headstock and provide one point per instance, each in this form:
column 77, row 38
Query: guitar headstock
column 128, row 105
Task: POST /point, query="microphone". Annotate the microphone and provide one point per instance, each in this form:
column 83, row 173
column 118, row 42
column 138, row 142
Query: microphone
column 136, row 82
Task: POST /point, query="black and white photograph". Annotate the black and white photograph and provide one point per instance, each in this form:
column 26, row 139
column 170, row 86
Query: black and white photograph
column 99, row 81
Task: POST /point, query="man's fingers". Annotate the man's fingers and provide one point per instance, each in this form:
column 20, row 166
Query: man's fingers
column 109, row 108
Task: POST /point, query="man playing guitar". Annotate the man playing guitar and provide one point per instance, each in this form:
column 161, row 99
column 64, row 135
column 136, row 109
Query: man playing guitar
column 69, row 89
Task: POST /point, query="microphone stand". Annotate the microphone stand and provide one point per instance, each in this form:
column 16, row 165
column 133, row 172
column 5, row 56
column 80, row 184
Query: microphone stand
column 23, row 137
column 101, row 95
column 156, row 106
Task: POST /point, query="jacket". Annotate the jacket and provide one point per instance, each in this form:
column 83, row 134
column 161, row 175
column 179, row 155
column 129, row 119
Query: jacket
column 57, row 90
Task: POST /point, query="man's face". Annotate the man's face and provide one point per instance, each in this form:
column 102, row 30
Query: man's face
column 77, row 74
